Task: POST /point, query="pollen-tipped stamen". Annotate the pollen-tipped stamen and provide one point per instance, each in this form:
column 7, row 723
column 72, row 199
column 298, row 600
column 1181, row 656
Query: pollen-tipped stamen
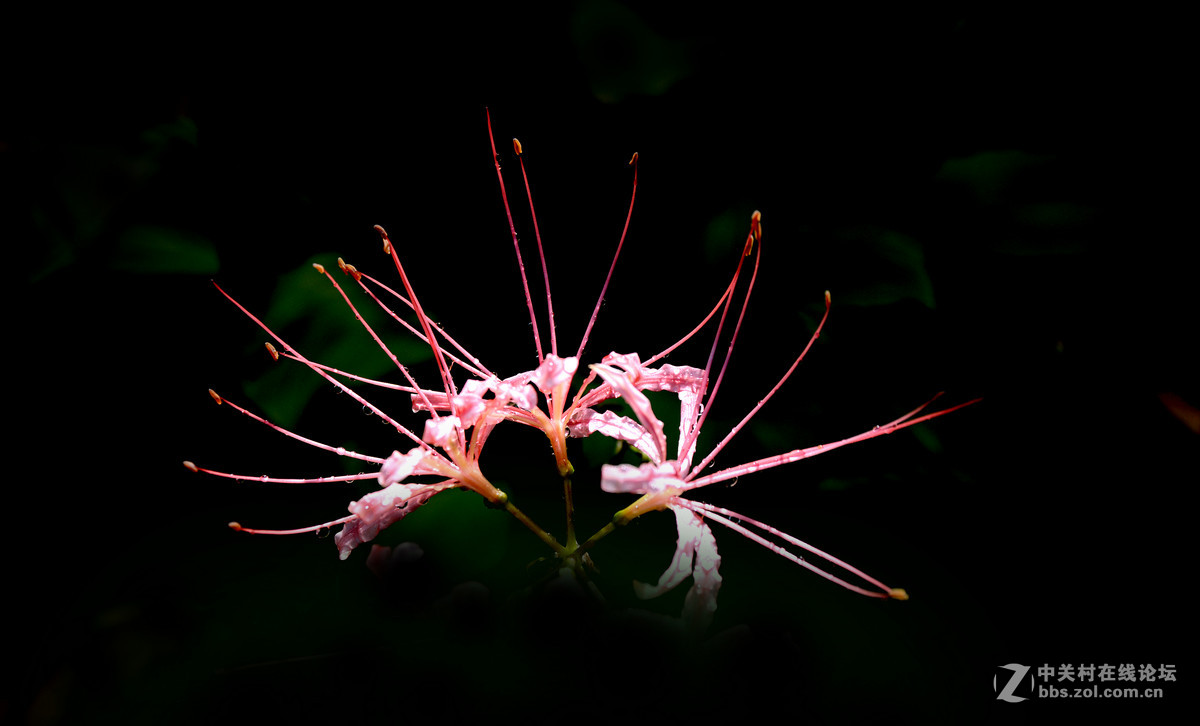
column 732, row 432
column 340, row 451
column 237, row 527
column 686, row 445
column 444, row 369
column 613, row 265
column 537, row 339
column 719, row 514
column 541, row 253
column 317, row 369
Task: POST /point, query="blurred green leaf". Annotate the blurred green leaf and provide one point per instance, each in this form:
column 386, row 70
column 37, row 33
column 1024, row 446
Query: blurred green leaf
column 313, row 317
column 156, row 250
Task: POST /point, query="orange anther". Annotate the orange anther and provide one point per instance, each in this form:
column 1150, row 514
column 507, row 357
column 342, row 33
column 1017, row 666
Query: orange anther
column 387, row 243
column 235, row 526
column 516, row 146
column 898, row 593
column 271, row 349
column 215, row 397
column 319, row 267
column 190, row 466
column 634, row 159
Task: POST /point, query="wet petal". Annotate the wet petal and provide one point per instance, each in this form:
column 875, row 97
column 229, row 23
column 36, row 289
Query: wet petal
column 614, row 426
column 399, row 467
column 691, row 530
column 553, row 372
column 701, row 600
column 438, row 431
column 641, row 408
column 379, row 510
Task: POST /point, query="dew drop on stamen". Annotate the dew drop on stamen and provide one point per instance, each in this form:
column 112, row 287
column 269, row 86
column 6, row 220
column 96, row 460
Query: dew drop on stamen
column 341, row 451
column 323, row 533
column 264, row 477
column 367, row 410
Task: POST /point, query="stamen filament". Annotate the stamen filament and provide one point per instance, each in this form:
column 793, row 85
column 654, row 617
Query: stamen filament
column 714, row 513
column 541, row 253
column 604, row 289
column 717, row 449
column 340, row 451
column 537, row 340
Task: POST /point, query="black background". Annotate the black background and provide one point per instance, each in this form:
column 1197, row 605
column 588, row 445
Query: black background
column 996, row 201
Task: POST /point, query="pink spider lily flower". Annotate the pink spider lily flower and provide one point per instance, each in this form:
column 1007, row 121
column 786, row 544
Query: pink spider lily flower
column 664, row 482
column 553, row 374
column 445, row 449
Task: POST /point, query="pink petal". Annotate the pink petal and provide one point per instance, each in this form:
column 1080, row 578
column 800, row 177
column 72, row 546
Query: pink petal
column 691, row 528
column 438, row 431
column 399, row 467
column 641, row 408
column 553, row 372
column 586, row 421
column 701, row 600
column 379, row 510
column 630, row 479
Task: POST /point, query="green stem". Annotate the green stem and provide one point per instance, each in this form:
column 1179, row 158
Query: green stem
column 571, row 541
column 542, row 534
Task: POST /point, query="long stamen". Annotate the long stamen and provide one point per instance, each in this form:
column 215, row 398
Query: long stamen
column 280, row 480
column 315, row 528
column 754, row 236
column 717, row 449
column 772, row 461
column 714, row 513
column 378, row 341
column 444, row 369
column 475, row 367
column 340, row 451
column 341, row 386
column 541, row 253
column 613, row 265
column 351, row 376
column 537, row 340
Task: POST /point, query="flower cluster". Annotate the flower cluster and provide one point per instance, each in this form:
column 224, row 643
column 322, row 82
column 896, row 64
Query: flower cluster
column 445, row 454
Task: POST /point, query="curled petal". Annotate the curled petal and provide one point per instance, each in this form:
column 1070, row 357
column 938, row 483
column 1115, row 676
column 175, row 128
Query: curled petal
column 701, row 600
column 691, row 528
column 553, row 372
column 523, row 395
column 641, row 408
column 586, row 421
column 629, row 479
column 379, row 510
column 468, row 408
column 399, row 467
column 439, row 431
